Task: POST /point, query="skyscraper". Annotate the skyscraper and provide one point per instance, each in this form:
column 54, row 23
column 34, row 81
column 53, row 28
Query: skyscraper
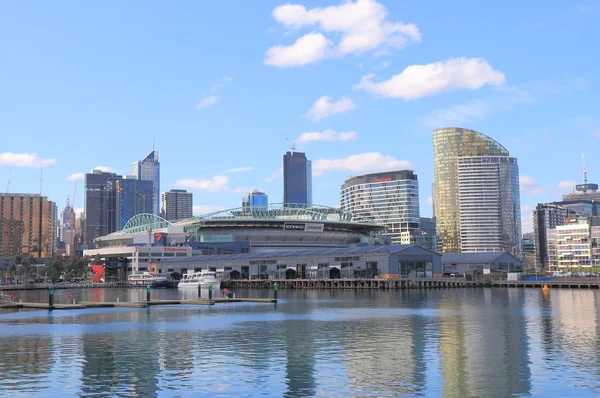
column 547, row 216
column 28, row 225
column 132, row 196
column 177, row 204
column 297, row 180
column 255, row 200
column 489, row 202
column 100, row 206
column 464, row 165
column 111, row 200
column 64, row 224
column 390, row 198
column 148, row 169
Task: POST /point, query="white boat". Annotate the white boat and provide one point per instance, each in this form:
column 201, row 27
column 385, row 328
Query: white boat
column 204, row 278
column 144, row 279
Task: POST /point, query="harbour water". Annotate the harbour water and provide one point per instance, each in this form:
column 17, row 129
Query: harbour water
column 453, row 342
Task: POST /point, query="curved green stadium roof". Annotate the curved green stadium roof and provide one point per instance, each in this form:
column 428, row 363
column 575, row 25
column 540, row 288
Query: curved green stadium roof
column 273, row 211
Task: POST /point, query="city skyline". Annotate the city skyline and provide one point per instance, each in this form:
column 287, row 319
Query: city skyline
column 110, row 97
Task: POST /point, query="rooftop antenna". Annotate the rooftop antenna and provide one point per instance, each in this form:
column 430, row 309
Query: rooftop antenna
column 292, row 145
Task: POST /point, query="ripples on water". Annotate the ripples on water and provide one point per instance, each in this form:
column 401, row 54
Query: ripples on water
column 456, row 343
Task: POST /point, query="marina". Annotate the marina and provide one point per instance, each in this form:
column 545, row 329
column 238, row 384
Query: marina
column 144, row 279
column 191, row 280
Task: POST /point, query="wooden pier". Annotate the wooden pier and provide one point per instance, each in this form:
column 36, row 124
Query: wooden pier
column 408, row 283
column 382, row 284
column 583, row 283
column 136, row 304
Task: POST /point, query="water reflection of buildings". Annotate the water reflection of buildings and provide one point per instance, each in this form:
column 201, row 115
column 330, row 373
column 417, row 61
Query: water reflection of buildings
column 120, row 363
column 24, row 358
column 387, row 355
column 575, row 315
column 497, row 343
column 453, row 350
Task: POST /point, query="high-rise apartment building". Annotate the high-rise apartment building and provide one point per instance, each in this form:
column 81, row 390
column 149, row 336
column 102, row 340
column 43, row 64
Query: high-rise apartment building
column 390, row 198
column 148, row 169
column 132, row 196
column 464, row 161
column 255, row 200
column 64, row 224
column 489, row 204
column 546, row 217
column 297, row 180
column 575, row 246
column 177, row 204
column 28, row 224
column 100, row 204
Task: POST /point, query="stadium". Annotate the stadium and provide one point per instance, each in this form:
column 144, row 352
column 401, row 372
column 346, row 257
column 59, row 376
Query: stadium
column 147, row 238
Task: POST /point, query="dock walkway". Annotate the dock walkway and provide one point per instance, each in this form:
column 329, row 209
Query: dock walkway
column 136, row 304
column 407, row 283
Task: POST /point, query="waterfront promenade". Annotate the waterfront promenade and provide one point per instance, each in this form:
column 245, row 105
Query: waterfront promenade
column 358, row 283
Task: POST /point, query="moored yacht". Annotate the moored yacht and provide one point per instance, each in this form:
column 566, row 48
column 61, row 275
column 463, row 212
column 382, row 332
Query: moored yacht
column 144, row 279
column 204, row 278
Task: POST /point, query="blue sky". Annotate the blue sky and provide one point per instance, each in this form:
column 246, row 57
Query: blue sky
column 216, row 85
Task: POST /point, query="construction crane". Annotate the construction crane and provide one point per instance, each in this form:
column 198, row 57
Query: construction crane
column 292, row 145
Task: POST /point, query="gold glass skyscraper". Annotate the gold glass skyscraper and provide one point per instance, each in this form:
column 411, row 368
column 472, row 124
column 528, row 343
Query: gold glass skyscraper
column 450, row 144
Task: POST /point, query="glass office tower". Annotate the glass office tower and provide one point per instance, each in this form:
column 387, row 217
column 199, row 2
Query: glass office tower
column 148, row 169
column 255, row 200
column 297, row 180
column 449, row 145
column 390, row 198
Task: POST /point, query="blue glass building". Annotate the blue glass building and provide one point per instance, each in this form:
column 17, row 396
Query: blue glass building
column 148, row 169
column 255, row 200
column 297, row 180
column 132, row 197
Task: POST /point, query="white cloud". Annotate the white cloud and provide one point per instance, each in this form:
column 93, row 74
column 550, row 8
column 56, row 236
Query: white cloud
column 529, row 186
column 382, row 65
column 423, row 80
column 306, row 50
column 527, row 218
column 106, row 169
column 361, row 162
column 478, row 109
column 458, row 114
column 216, row 184
column 220, row 83
column 208, row 101
column 566, row 184
column 361, row 26
column 238, row 170
column 209, row 98
column 324, row 107
column 205, row 209
column 23, row 160
column 327, row 135
column 76, row 176
column 429, row 200
column 277, row 174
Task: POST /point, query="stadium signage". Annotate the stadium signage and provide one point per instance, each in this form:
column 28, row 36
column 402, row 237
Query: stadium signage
column 175, row 249
column 304, row 227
